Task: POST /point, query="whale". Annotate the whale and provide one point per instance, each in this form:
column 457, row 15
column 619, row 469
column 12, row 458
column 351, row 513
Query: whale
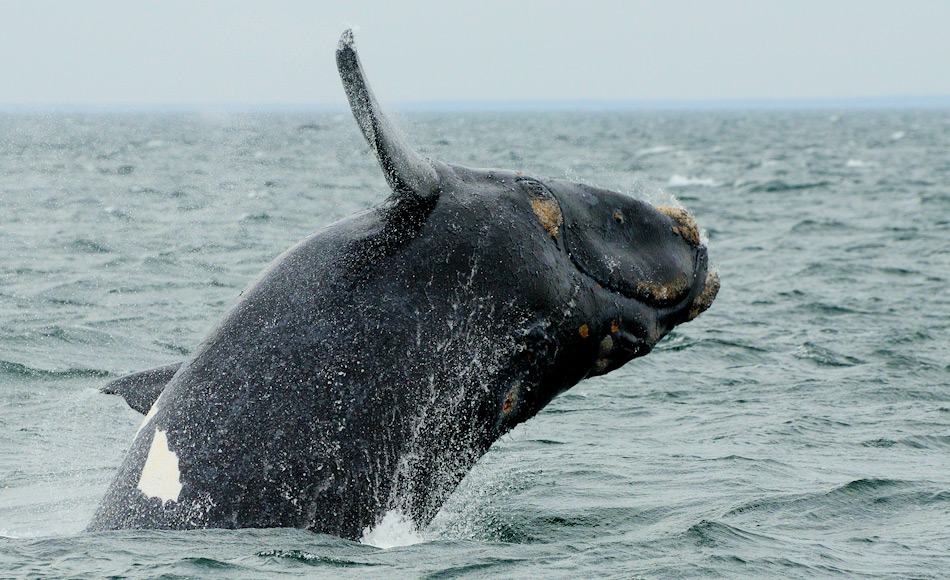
column 371, row 365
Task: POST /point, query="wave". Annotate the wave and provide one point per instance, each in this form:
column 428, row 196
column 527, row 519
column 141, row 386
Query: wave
column 710, row 531
column 777, row 186
column 12, row 369
column 913, row 442
column 677, row 180
column 825, row 357
column 312, row 559
column 819, row 226
column 86, row 246
column 856, row 499
column 657, row 150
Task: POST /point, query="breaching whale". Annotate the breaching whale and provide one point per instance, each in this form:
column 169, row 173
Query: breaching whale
column 371, row 365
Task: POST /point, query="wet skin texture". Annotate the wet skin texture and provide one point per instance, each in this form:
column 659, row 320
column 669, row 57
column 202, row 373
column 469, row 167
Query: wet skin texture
column 372, row 364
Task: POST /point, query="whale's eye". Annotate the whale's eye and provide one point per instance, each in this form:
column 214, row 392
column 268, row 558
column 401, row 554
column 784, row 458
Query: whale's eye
column 534, row 187
column 618, row 217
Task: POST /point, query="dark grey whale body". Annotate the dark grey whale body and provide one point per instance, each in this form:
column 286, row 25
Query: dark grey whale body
column 372, row 364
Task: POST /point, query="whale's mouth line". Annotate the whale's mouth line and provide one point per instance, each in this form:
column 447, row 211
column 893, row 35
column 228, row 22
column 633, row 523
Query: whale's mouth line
column 651, row 294
column 677, row 292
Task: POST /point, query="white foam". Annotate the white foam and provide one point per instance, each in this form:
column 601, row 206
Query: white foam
column 855, row 163
column 678, row 180
column 160, row 475
column 392, row 531
column 654, row 150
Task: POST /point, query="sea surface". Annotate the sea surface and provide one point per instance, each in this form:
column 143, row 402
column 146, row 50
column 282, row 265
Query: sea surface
column 798, row 429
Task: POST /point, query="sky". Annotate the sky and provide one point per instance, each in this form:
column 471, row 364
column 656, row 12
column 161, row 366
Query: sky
column 204, row 53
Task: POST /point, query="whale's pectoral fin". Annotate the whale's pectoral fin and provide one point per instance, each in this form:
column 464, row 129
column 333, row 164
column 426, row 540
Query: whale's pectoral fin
column 408, row 172
column 140, row 390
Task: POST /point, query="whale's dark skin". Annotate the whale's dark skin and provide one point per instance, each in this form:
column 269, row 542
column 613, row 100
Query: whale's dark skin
column 372, row 364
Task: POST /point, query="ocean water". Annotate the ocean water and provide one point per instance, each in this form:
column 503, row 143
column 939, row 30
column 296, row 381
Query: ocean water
column 798, row 429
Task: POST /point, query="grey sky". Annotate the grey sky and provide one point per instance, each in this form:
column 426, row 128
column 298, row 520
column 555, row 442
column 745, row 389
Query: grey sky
column 193, row 52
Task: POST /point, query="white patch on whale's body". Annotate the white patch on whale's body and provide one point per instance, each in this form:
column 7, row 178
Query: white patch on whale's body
column 160, row 475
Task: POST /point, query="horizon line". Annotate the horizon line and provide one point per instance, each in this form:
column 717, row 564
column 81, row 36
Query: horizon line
column 478, row 106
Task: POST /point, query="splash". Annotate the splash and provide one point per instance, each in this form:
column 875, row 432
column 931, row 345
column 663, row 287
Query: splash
column 392, row 531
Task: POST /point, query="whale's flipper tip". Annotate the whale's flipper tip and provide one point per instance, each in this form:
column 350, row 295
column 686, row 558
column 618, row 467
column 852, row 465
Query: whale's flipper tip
column 409, row 173
column 346, row 40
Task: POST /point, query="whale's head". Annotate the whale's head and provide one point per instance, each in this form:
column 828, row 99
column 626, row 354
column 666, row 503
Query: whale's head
column 646, row 267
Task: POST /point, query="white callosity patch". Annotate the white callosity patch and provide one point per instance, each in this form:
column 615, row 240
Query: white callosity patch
column 160, row 476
